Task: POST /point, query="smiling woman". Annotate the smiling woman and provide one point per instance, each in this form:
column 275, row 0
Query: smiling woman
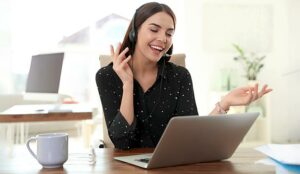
column 141, row 90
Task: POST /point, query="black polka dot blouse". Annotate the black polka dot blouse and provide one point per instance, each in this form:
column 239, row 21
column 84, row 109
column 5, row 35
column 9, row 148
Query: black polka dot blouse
column 171, row 95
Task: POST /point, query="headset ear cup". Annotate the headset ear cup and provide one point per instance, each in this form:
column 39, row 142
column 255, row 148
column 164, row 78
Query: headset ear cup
column 132, row 36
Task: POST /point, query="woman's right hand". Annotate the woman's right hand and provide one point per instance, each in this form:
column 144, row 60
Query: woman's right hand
column 120, row 64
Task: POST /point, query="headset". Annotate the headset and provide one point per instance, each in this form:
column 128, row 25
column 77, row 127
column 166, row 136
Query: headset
column 132, row 35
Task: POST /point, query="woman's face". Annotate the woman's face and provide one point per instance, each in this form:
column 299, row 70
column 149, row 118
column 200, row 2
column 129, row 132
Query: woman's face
column 155, row 36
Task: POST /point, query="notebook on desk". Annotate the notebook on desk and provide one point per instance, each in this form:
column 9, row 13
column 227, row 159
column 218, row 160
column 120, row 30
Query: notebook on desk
column 194, row 139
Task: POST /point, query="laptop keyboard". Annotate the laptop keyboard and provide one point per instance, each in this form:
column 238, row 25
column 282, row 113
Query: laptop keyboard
column 144, row 160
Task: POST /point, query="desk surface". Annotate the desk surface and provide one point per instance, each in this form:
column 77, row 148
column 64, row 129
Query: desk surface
column 243, row 161
column 46, row 112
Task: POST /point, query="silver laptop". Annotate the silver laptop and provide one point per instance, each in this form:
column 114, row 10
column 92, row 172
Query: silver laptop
column 194, row 139
column 44, row 77
column 44, row 73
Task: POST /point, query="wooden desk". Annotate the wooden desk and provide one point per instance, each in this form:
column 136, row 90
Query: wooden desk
column 243, row 161
column 22, row 114
column 47, row 112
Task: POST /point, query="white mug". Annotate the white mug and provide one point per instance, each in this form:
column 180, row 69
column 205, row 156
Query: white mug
column 52, row 149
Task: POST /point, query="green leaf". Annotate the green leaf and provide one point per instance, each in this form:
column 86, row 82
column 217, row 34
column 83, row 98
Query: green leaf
column 239, row 49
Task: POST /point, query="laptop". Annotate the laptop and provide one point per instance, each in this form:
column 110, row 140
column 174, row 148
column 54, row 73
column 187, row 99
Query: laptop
column 194, row 139
column 44, row 77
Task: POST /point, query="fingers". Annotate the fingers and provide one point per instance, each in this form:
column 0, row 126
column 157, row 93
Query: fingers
column 264, row 91
column 120, row 62
column 112, row 51
column 261, row 93
column 125, row 61
column 118, row 48
column 255, row 93
column 121, row 57
column 246, row 95
column 116, row 55
column 245, row 89
column 252, row 94
column 268, row 90
column 249, row 95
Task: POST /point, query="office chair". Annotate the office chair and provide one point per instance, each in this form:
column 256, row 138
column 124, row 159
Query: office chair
column 178, row 59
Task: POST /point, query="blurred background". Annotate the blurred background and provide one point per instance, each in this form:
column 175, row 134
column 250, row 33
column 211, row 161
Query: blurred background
column 227, row 43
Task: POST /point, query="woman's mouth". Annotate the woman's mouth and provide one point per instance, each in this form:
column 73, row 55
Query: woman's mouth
column 156, row 49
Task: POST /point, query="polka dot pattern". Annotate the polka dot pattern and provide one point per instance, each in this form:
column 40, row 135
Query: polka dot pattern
column 171, row 95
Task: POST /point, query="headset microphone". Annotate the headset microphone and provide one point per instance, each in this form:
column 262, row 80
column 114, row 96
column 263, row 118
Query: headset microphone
column 167, row 55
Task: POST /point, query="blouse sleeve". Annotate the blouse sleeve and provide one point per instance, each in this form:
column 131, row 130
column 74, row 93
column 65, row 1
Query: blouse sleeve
column 110, row 90
column 186, row 104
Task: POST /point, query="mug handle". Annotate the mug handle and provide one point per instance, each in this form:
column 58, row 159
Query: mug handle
column 28, row 146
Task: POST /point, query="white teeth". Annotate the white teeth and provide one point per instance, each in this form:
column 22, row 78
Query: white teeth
column 156, row 47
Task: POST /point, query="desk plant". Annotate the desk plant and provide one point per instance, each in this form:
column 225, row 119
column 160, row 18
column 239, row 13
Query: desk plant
column 252, row 63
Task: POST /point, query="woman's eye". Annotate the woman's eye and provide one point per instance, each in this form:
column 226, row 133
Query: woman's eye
column 170, row 34
column 153, row 30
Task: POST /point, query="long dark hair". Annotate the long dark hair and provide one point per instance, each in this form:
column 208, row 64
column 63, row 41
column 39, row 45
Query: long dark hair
column 141, row 15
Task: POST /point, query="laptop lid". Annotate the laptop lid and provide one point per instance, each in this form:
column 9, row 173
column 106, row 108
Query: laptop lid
column 44, row 73
column 193, row 139
column 44, row 77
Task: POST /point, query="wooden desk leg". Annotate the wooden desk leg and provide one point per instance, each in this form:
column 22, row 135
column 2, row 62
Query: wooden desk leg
column 10, row 136
column 26, row 132
column 22, row 133
column 17, row 133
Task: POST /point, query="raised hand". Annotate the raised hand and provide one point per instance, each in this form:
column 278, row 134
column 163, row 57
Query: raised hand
column 244, row 95
column 120, row 64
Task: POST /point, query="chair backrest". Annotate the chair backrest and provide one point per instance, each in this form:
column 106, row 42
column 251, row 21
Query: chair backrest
column 178, row 59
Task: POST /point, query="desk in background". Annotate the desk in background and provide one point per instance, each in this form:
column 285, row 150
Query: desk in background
column 39, row 113
column 48, row 112
column 243, row 161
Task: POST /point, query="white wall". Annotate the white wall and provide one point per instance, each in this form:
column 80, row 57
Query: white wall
column 209, row 44
column 198, row 65
column 285, row 99
column 282, row 65
column 5, row 47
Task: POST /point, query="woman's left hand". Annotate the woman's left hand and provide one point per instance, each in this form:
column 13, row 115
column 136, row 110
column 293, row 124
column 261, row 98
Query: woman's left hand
column 244, row 95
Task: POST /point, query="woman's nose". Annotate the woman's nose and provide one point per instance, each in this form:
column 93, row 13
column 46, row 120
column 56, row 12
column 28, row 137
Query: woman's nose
column 162, row 37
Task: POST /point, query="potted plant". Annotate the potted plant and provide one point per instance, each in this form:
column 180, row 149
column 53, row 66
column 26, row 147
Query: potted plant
column 252, row 63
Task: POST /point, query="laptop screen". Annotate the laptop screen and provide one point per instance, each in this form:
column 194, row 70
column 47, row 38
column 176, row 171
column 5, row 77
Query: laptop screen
column 44, row 74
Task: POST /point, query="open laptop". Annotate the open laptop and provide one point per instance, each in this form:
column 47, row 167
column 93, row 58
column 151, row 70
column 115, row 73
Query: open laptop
column 44, row 77
column 193, row 139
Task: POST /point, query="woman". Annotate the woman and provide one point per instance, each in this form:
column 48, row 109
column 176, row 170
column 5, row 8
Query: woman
column 141, row 91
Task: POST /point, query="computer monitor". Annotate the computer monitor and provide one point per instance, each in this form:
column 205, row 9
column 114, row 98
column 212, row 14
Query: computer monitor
column 44, row 76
